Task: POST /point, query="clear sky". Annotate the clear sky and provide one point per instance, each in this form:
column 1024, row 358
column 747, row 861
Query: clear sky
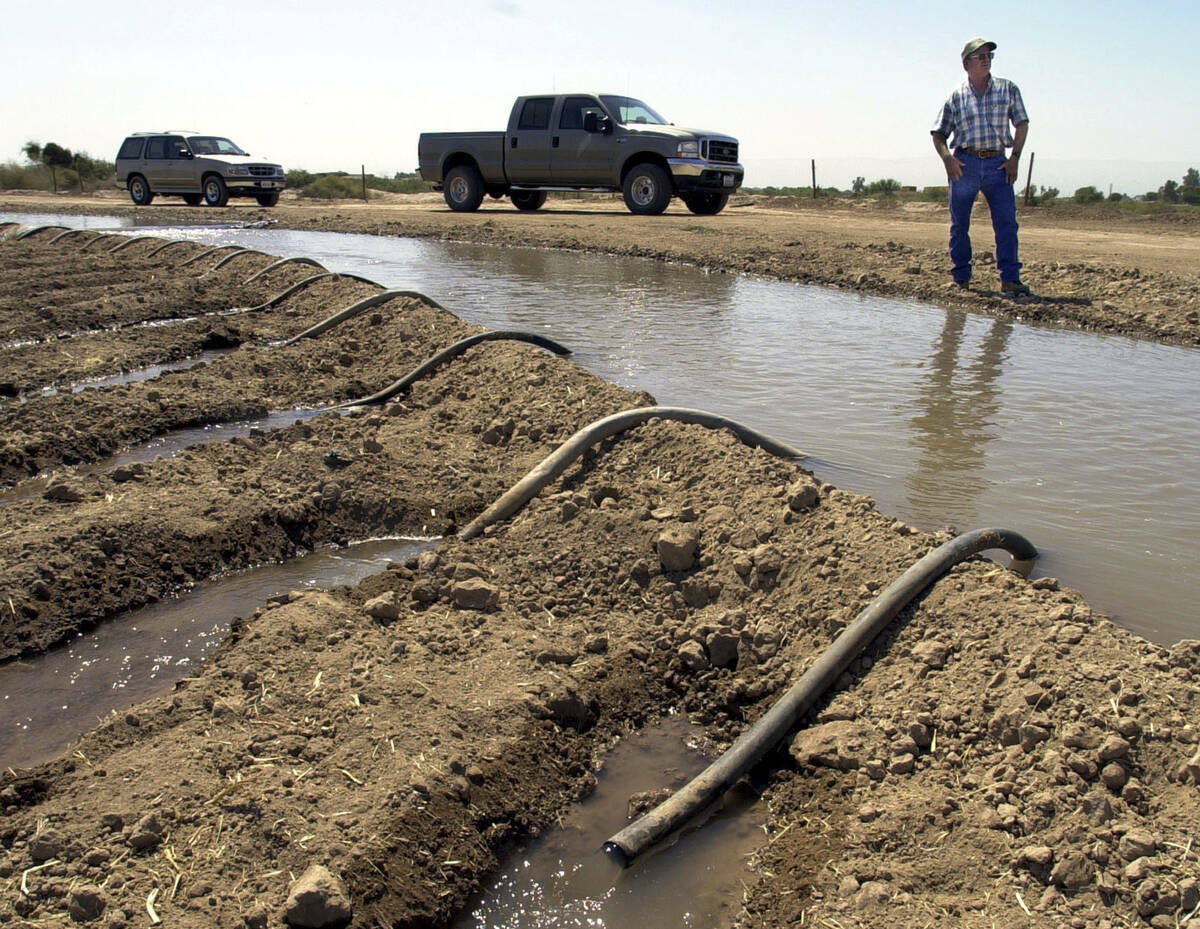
column 1112, row 88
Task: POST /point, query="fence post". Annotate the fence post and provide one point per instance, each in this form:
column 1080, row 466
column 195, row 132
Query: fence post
column 814, row 178
column 364, row 182
column 1029, row 177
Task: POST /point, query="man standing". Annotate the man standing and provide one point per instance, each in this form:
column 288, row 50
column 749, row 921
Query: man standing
column 977, row 117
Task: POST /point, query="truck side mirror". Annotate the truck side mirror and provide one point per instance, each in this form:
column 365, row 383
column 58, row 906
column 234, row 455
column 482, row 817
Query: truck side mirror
column 594, row 122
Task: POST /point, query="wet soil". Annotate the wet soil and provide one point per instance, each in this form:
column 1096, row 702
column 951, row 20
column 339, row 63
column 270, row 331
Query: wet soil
column 1003, row 756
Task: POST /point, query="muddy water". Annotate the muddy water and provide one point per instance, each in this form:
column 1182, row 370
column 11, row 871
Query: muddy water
column 47, row 702
column 1087, row 444
column 564, row 880
column 168, row 446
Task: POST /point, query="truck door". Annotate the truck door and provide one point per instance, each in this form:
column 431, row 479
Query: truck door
column 527, row 145
column 579, row 157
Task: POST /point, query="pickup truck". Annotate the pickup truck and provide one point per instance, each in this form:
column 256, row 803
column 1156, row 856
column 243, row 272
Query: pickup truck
column 583, row 141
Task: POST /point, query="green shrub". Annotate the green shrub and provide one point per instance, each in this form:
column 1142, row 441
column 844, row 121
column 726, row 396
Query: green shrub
column 1115, row 197
column 334, row 187
column 1088, row 194
column 885, row 187
column 1189, row 194
column 1045, row 196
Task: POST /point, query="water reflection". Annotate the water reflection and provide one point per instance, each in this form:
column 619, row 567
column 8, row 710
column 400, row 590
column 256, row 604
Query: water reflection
column 955, row 418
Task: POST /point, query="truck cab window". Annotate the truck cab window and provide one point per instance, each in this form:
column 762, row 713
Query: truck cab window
column 535, row 114
column 575, row 109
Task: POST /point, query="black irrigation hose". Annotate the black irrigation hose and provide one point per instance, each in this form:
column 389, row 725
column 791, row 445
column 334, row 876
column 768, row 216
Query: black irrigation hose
column 166, row 245
column 238, row 254
column 205, row 254
column 355, row 309
column 768, row 732
column 308, row 281
column 446, row 354
column 92, row 241
column 129, row 241
column 561, row 458
column 280, row 263
column 26, row 233
column 64, row 234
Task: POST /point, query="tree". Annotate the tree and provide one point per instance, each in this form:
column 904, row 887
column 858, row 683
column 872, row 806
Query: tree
column 1191, row 178
column 1169, row 192
column 52, row 155
column 858, row 186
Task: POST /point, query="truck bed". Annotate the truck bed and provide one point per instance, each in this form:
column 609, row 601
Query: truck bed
column 487, row 148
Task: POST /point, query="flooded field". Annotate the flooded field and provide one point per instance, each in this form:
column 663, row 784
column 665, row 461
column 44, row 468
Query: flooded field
column 1085, row 442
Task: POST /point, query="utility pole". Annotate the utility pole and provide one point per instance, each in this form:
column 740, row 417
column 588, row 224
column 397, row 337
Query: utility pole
column 814, row 178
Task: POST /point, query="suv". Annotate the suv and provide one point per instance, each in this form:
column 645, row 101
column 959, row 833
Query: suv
column 197, row 167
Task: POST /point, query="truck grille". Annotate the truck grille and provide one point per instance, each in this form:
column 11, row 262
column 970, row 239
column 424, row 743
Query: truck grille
column 262, row 170
column 721, row 151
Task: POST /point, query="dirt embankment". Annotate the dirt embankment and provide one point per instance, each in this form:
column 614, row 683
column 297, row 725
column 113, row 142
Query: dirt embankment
column 1097, row 268
column 1003, row 756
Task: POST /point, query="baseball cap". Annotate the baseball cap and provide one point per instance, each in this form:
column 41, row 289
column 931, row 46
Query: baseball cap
column 975, row 45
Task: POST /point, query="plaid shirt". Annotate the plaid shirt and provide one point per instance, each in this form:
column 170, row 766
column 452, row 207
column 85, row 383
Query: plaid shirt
column 981, row 121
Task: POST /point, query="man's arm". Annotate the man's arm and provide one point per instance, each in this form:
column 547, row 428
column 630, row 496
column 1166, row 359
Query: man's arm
column 954, row 167
column 1014, row 160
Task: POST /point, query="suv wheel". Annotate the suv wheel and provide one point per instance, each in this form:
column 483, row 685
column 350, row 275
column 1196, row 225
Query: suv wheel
column 192, row 199
column 215, row 191
column 139, row 190
column 647, row 189
column 267, row 199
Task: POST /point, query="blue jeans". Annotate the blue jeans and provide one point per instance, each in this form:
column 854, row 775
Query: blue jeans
column 986, row 175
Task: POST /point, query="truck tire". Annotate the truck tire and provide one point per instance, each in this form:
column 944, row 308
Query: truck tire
column 139, row 191
column 529, row 199
column 705, row 204
column 193, row 199
column 463, row 189
column 268, row 199
column 215, row 191
column 647, row 189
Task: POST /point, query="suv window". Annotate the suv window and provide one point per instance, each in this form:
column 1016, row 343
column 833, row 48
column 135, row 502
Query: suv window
column 575, row 109
column 213, row 145
column 156, row 147
column 535, row 114
column 131, row 148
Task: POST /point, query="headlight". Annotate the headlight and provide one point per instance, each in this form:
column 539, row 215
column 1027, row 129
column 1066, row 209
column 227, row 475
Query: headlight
column 689, row 149
column 241, row 171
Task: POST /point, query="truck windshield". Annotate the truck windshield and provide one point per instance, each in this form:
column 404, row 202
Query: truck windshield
column 629, row 110
column 213, row 145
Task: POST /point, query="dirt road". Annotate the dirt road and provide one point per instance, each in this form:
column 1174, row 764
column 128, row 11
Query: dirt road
column 1002, row 756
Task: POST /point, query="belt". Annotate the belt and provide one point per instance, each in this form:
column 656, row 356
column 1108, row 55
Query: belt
column 983, row 152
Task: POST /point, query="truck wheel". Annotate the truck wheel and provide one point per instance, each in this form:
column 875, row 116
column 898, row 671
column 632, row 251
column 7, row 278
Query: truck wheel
column 192, row 199
column 267, row 199
column 647, row 189
column 215, row 191
column 463, row 188
column 529, row 199
column 704, row 204
column 139, row 190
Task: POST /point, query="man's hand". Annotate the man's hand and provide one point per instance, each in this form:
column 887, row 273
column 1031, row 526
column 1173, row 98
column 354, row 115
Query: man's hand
column 954, row 167
column 1011, row 166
